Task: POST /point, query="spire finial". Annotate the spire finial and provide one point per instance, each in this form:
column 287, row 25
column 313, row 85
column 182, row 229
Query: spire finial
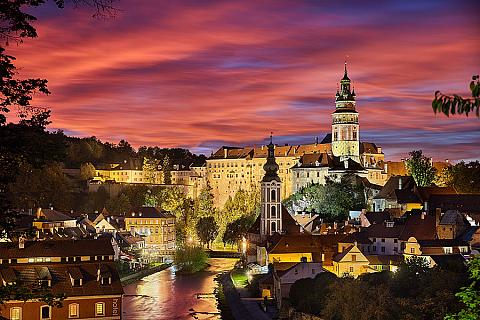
column 345, row 65
column 271, row 137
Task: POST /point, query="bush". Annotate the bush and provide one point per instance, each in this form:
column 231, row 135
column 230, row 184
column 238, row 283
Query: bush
column 190, row 259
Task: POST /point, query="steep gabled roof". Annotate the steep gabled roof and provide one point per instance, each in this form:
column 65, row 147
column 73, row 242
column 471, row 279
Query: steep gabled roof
column 465, row 203
column 388, row 190
column 149, row 212
column 51, row 248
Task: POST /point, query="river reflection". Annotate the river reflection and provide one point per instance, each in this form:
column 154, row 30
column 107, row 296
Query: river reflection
column 164, row 295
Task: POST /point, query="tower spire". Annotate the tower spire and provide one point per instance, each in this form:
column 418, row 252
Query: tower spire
column 271, row 167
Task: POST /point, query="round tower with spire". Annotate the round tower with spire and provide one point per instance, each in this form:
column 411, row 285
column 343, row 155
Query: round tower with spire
column 270, row 200
column 345, row 128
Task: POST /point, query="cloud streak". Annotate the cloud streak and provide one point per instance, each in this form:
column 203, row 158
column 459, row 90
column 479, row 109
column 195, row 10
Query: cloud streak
column 203, row 74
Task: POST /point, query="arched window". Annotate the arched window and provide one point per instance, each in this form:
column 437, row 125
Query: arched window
column 99, row 309
column 16, row 313
column 273, row 212
column 274, row 227
column 73, row 310
column 273, row 195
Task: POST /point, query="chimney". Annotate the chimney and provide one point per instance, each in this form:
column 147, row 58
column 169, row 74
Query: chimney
column 225, row 152
column 385, row 167
column 425, row 206
column 400, row 183
column 335, row 225
column 38, row 213
column 355, row 243
column 422, row 215
column 438, row 215
column 345, row 163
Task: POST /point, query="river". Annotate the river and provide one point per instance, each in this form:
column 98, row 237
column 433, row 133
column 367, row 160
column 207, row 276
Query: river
column 165, row 295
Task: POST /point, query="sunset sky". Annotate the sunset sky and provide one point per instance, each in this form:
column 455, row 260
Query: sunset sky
column 201, row 74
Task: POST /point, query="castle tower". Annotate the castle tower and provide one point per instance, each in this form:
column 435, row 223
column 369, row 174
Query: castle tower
column 345, row 128
column 271, row 205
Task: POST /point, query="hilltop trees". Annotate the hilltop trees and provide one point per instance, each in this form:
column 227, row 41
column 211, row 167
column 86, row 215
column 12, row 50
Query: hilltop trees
column 87, row 171
column 420, row 168
column 167, row 170
column 150, row 169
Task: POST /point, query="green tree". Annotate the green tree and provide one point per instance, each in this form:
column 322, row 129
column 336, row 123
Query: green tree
column 455, row 104
column 464, row 177
column 420, row 168
column 43, row 187
column 150, row 169
column 119, row 204
column 190, row 259
column 331, row 201
column 469, row 295
column 167, row 170
column 237, row 229
column 204, row 205
column 207, row 230
column 87, row 171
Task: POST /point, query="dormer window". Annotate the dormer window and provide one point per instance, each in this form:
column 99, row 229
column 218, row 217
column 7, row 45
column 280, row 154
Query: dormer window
column 106, row 280
column 76, row 277
column 103, row 275
column 45, row 283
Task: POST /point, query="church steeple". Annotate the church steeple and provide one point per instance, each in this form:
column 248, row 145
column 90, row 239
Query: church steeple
column 345, row 93
column 271, row 166
column 270, row 200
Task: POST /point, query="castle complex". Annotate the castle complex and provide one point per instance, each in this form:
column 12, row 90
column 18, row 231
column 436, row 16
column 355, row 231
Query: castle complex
column 230, row 169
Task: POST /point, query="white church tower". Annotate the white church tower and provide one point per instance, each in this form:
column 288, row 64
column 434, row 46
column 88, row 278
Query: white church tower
column 345, row 128
column 271, row 205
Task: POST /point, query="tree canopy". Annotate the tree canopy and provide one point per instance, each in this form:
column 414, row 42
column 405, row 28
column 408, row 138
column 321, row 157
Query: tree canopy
column 464, row 177
column 331, row 201
column 420, row 168
column 415, row 291
column 207, row 230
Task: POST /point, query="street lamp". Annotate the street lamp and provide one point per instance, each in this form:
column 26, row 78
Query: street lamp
column 244, row 246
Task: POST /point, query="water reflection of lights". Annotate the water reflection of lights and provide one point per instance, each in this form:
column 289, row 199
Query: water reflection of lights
column 165, row 295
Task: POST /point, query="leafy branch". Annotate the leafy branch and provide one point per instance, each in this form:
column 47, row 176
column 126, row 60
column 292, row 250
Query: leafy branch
column 455, row 104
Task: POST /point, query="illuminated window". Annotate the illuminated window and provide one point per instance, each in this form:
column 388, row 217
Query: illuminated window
column 351, row 269
column 99, row 309
column 16, row 313
column 73, row 310
column 45, row 312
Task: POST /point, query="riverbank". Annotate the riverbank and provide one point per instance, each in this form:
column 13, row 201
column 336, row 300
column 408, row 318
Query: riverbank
column 143, row 273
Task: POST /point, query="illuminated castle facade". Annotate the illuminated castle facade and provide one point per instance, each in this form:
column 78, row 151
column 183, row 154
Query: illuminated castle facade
column 345, row 128
column 230, row 169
